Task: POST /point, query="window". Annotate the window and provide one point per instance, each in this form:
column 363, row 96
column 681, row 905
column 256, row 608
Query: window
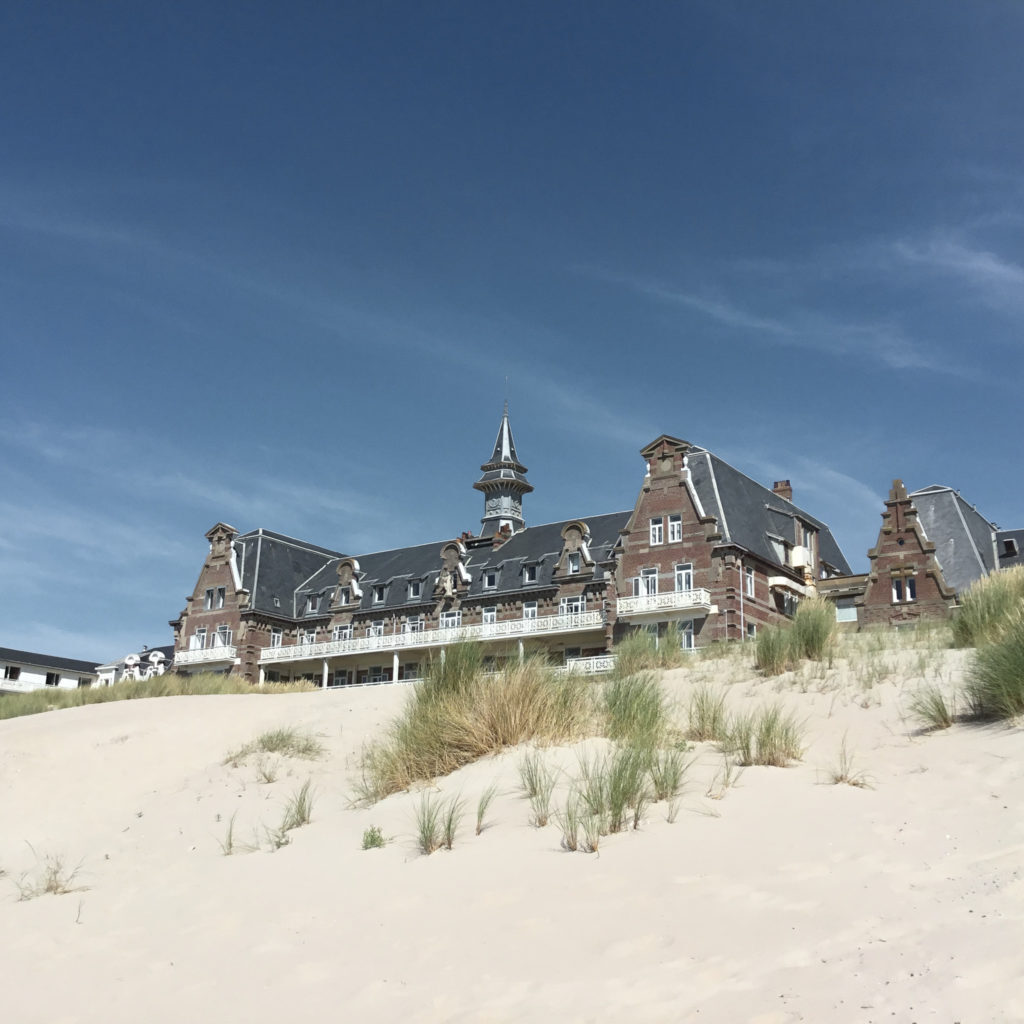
column 12, row 672
column 414, row 624
column 313, row 603
column 529, row 574
column 904, row 588
column 675, row 529
column 307, row 636
column 53, row 679
column 276, row 637
column 748, row 581
column 379, row 593
column 490, row 579
column 222, row 638
column 451, row 620
column 686, row 636
column 1009, row 547
column 375, row 628
column 846, row 610
column 684, row 576
column 529, row 609
column 208, row 601
column 490, row 616
column 646, row 584
column 342, row 632
column 572, row 605
column 573, row 562
column 218, row 600
column 197, row 642
column 571, row 653
column 344, row 595
column 415, row 589
column 658, row 530
column 84, row 683
column 751, row 630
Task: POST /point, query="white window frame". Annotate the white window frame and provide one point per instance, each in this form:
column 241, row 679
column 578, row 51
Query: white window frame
column 306, row 637
column 312, row 603
column 684, row 577
column 415, row 590
column 529, row 609
column 12, row 672
column 490, row 615
column 413, row 624
column 342, row 632
column 686, row 636
column 451, row 619
column 208, row 600
column 657, row 530
column 276, row 637
column 529, row 574
column 572, row 562
column 751, row 631
column 380, row 593
column 375, row 628
column 573, row 605
column 223, row 636
column 197, row 642
column 53, row 679
column 749, row 586
column 490, row 579
column 675, row 528
column 218, row 598
column 646, row 584
column 344, row 595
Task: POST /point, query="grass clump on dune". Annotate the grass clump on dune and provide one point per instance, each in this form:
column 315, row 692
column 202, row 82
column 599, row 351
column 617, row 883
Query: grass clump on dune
column 810, row 635
column 642, row 651
column 288, row 741
column 930, row 707
column 635, row 710
column 708, row 719
column 995, row 681
column 456, row 716
column 989, row 607
column 768, row 736
column 14, row 705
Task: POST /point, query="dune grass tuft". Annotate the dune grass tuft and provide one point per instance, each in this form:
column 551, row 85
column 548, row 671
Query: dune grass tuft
column 768, row 736
column 995, row 680
column 483, row 804
column 810, row 635
column 428, row 825
column 988, row 608
column 930, row 707
column 373, row 838
column 635, row 709
column 707, row 715
column 288, row 741
column 456, row 716
column 845, row 773
column 52, row 876
column 14, row 705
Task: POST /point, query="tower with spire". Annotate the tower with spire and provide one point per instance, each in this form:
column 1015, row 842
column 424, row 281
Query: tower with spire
column 504, row 483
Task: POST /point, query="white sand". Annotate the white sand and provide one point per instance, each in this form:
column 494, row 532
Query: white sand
column 789, row 899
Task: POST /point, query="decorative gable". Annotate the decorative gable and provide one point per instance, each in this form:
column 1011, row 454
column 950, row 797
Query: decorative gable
column 454, row 576
column 575, row 558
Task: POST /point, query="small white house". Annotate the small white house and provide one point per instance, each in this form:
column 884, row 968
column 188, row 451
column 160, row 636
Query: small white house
column 150, row 661
column 21, row 671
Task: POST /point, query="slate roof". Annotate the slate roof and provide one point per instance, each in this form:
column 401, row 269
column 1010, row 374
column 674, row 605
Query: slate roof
column 395, row 569
column 963, row 537
column 46, row 661
column 749, row 513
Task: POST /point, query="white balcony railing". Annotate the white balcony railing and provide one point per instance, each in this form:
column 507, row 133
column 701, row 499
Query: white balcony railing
column 545, row 624
column 590, row 666
column 673, row 601
column 202, row 656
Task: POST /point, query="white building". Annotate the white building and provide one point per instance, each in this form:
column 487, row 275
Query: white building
column 21, row 671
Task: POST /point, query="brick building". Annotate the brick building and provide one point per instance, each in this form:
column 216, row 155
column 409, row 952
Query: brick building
column 704, row 546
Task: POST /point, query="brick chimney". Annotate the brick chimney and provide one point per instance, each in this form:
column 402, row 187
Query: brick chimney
column 501, row 536
column 783, row 489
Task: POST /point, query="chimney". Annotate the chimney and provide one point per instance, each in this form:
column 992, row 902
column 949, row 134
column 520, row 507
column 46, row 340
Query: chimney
column 501, row 536
column 783, row 489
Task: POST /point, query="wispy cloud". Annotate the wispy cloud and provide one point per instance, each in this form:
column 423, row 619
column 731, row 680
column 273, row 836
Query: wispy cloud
column 877, row 341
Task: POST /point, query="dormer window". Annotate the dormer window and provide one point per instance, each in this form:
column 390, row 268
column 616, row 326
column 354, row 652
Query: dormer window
column 572, row 562
column 379, row 593
column 312, row 603
column 415, row 590
column 1009, row 547
column 529, row 574
column 344, row 595
column 490, row 579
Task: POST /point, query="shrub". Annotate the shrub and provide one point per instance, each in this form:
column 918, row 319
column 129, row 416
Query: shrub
column 453, row 718
column 929, row 706
column 988, row 607
column 767, row 736
column 635, row 709
column 373, row 838
column 707, row 716
column 995, row 682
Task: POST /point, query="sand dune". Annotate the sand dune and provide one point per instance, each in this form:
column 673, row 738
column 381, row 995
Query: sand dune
column 788, row 899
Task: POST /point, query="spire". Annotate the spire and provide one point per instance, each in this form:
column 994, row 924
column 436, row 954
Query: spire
column 504, row 483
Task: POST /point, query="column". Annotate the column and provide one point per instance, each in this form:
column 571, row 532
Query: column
column 323, row 681
column 394, row 667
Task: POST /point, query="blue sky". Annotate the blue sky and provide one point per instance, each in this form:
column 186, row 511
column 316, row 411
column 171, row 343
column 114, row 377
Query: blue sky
column 271, row 264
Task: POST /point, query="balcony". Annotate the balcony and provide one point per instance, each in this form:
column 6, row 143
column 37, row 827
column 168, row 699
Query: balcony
column 206, row 655
column 677, row 603
column 596, row 665
column 512, row 629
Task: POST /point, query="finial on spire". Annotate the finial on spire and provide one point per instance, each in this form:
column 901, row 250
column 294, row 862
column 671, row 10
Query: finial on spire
column 504, row 483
